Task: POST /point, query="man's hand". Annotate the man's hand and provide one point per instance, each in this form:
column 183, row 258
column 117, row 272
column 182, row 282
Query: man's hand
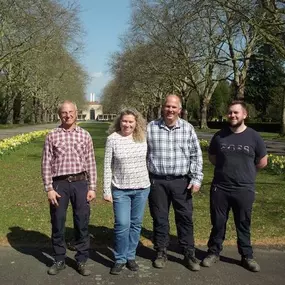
column 52, row 197
column 91, row 195
column 194, row 188
column 108, row 198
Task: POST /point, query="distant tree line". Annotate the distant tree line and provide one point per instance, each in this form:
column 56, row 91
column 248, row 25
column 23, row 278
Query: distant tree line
column 40, row 44
column 208, row 52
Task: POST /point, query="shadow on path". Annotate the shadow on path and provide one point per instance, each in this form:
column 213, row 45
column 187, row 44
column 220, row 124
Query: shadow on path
column 31, row 243
column 148, row 253
column 38, row 245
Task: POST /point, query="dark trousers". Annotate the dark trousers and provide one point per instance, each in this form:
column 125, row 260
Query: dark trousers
column 76, row 193
column 163, row 193
column 220, row 204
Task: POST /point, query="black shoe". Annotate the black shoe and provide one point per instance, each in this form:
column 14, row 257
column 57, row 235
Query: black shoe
column 210, row 259
column 161, row 259
column 117, row 268
column 81, row 268
column 71, row 245
column 250, row 264
column 132, row 265
column 56, row 267
column 192, row 262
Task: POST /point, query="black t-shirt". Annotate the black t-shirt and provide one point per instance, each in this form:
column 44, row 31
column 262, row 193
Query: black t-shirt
column 236, row 157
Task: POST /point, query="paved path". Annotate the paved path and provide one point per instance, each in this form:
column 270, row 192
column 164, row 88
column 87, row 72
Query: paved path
column 27, row 266
column 7, row 133
column 275, row 147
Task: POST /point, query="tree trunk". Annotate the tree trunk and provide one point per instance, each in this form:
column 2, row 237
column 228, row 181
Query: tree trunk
column 38, row 113
column 43, row 113
column 239, row 88
column 55, row 115
column 33, row 116
column 10, row 105
column 283, row 114
column 204, row 102
column 184, row 114
column 22, row 112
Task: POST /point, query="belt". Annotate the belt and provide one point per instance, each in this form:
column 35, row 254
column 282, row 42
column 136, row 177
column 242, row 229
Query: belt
column 167, row 177
column 71, row 177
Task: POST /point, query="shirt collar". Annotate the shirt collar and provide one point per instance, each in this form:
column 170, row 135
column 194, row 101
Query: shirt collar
column 162, row 124
column 60, row 129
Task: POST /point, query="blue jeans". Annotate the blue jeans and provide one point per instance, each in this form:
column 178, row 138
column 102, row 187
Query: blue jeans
column 129, row 206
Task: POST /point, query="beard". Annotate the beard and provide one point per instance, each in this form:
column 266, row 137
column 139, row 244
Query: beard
column 235, row 125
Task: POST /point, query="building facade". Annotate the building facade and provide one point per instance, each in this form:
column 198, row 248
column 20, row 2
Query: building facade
column 90, row 112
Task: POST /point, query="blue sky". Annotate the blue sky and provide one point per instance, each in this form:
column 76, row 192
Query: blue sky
column 104, row 21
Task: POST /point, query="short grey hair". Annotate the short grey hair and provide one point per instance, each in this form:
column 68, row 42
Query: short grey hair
column 66, row 102
column 172, row 94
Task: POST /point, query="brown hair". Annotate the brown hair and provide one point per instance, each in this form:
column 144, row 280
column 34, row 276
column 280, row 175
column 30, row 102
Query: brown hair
column 140, row 129
column 239, row 102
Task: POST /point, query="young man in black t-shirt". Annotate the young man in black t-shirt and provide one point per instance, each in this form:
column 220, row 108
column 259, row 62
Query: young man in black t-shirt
column 237, row 152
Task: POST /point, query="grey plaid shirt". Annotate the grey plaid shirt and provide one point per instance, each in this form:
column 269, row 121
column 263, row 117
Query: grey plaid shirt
column 174, row 151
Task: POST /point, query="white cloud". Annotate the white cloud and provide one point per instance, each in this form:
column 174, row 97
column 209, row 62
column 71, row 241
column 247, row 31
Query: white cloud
column 95, row 75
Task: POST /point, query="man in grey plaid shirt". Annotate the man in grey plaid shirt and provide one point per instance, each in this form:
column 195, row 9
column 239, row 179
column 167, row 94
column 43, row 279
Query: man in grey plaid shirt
column 175, row 166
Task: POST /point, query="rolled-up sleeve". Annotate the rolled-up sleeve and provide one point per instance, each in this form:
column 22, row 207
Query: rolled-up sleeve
column 91, row 165
column 196, row 160
column 108, row 167
column 47, row 164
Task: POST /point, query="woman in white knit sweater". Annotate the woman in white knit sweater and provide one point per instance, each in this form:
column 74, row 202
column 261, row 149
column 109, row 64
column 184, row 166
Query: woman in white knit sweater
column 126, row 184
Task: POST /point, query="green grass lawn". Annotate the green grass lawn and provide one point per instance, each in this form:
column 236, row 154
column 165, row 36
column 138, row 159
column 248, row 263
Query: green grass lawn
column 25, row 211
column 264, row 135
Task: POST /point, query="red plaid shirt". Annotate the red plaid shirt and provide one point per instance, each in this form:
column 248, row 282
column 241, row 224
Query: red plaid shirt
column 68, row 152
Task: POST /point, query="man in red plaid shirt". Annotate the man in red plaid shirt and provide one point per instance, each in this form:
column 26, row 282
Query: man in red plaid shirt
column 69, row 174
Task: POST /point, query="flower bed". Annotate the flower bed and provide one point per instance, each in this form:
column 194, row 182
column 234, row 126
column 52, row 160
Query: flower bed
column 276, row 163
column 10, row 144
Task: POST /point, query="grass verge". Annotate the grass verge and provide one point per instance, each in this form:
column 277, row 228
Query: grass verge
column 25, row 212
column 264, row 135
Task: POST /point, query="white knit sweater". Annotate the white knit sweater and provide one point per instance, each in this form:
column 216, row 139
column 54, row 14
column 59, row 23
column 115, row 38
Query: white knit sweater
column 125, row 164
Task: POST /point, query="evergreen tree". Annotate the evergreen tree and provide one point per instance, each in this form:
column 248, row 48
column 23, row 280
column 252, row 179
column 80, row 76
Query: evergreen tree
column 219, row 101
column 265, row 77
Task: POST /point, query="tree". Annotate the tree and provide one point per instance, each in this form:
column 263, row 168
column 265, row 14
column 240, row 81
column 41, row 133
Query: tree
column 265, row 77
column 219, row 101
column 38, row 40
column 188, row 36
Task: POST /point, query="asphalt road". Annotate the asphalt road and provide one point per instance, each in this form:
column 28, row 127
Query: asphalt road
column 7, row 133
column 274, row 147
column 28, row 266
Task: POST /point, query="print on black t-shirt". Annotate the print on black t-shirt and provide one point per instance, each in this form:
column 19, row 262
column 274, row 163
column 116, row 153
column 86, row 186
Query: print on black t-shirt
column 236, row 157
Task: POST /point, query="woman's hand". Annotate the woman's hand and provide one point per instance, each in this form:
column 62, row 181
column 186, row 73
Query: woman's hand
column 108, row 198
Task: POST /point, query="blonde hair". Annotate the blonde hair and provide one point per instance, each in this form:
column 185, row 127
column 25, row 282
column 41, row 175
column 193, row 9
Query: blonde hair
column 140, row 129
